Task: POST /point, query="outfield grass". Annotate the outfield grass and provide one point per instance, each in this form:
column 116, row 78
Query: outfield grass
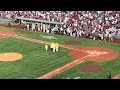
column 37, row 62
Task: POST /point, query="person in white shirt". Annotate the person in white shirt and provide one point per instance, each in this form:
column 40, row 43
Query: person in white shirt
column 47, row 30
column 105, row 36
column 38, row 24
column 33, row 26
column 61, row 30
column 102, row 36
column 78, row 33
column 28, row 26
column 68, row 31
column 110, row 35
column 71, row 32
column 93, row 33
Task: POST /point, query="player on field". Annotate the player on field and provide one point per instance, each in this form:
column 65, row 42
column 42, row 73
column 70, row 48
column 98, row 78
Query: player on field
column 46, row 47
column 56, row 46
column 51, row 46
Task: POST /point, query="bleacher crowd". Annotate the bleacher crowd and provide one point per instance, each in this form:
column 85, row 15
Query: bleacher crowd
column 75, row 23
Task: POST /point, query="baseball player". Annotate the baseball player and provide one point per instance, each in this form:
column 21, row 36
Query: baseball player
column 56, row 46
column 46, row 47
column 51, row 46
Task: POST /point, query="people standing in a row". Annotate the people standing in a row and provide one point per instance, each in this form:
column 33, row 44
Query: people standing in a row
column 84, row 31
column 54, row 47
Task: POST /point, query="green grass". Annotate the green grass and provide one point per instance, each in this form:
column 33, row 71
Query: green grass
column 37, row 61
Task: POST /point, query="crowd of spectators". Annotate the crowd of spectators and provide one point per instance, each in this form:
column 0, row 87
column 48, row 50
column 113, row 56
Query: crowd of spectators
column 75, row 23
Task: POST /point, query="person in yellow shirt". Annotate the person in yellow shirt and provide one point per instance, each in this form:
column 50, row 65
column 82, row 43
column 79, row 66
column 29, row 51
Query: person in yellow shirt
column 46, row 47
column 51, row 46
column 57, row 46
column 54, row 47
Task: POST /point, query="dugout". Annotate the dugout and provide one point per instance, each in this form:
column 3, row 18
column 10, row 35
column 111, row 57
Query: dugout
column 7, row 21
column 52, row 24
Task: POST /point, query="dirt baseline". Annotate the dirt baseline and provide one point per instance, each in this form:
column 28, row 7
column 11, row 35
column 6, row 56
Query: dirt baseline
column 12, row 25
column 23, row 31
column 97, row 54
column 6, row 34
column 72, row 42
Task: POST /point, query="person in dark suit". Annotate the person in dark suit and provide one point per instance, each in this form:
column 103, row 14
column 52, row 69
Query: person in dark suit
column 109, row 76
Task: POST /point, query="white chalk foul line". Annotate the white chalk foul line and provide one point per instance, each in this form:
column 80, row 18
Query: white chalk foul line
column 57, row 71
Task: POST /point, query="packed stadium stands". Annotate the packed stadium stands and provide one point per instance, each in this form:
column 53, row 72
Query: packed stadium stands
column 75, row 23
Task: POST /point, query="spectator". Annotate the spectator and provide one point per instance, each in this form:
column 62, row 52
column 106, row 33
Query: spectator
column 76, row 23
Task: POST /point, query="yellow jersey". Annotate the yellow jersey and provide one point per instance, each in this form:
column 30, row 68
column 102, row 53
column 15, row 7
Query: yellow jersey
column 57, row 45
column 46, row 46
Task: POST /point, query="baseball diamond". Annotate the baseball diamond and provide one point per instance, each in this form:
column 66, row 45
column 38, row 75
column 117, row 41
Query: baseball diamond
column 23, row 54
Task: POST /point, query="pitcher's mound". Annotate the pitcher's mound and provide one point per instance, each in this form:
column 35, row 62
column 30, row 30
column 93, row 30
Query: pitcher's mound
column 91, row 68
column 73, row 42
column 10, row 57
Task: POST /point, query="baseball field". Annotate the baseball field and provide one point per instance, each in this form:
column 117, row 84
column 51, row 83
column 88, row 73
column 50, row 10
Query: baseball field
column 23, row 56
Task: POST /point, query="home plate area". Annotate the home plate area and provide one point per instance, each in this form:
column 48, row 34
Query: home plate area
column 97, row 54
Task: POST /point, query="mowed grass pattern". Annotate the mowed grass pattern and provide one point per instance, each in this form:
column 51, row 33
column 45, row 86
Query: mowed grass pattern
column 112, row 66
column 37, row 61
